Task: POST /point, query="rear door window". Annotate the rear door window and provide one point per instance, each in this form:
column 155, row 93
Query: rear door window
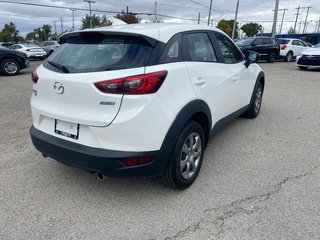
column 98, row 52
column 199, row 48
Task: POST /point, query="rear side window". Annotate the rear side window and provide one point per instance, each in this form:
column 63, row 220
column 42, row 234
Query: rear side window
column 267, row 41
column 98, row 52
column 283, row 41
column 172, row 51
column 258, row 41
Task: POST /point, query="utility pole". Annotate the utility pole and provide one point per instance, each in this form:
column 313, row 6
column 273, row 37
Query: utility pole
column 44, row 33
column 61, row 22
column 199, row 18
column 275, row 18
column 155, row 11
column 318, row 26
column 55, row 27
column 305, row 22
column 284, row 12
column 90, row 11
column 210, row 8
column 299, row 26
column 127, row 15
column 235, row 20
column 73, row 10
column 295, row 23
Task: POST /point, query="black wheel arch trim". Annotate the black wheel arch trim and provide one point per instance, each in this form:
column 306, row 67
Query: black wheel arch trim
column 186, row 113
column 260, row 78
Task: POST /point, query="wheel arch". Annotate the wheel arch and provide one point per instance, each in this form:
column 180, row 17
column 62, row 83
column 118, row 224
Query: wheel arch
column 261, row 79
column 196, row 110
column 10, row 57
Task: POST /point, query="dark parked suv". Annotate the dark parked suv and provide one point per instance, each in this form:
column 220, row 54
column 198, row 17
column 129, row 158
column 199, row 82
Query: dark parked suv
column 267, row 47
column 12, row 61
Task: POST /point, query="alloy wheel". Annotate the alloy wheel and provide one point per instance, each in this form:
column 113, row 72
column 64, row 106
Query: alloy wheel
column 190, row 155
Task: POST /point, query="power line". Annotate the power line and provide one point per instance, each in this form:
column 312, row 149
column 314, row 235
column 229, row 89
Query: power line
column 60, row 7
column 212, row 9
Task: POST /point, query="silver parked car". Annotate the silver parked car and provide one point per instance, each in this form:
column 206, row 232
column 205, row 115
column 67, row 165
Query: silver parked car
column 33, row 51
column 49, row 46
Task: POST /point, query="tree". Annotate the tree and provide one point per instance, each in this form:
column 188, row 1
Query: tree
column 97, row 21
column 251, row 29
column 291, row 31
column 41, row 34
column 10, row 33
column 128, row 17
column 227, row 26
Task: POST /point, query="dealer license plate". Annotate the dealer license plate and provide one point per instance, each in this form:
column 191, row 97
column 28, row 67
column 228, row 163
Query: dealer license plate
column 67, row 129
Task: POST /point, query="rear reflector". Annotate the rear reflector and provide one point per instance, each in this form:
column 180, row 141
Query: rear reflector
column 34, row 75
column 140, row 84
column 129, row 162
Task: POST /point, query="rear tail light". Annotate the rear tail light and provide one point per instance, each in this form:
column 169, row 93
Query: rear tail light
column 34, row 75
column 129, row 162
column 140, row 84
column 283, row 47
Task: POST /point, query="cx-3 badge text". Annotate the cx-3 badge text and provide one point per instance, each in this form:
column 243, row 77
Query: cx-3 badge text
column 58, row 87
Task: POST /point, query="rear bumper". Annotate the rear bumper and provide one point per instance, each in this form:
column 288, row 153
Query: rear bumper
column 106, row 162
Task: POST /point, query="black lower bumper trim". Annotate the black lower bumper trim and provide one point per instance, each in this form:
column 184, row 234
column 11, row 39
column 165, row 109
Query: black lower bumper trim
column 107, row 162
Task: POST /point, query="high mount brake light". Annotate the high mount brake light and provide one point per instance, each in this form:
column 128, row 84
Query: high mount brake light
column 140, row 84
column 34, row 75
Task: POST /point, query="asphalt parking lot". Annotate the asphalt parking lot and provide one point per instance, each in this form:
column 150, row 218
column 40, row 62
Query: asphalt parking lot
column 260, row 178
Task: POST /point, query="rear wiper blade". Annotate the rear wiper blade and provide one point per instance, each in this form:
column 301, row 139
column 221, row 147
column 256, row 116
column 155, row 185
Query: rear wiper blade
column 59, row 66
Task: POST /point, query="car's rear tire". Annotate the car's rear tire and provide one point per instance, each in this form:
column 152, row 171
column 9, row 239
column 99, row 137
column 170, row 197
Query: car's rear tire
column 289, row 57
column 303, row 68
column 9, row 67
column 272, row 57
column 256, row 101
column 186, row 158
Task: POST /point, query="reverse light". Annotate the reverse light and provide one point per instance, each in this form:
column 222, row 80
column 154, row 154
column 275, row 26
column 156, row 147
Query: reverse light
column 140, row 84
column 284, row 46
column 34, row 75
column 129, row 162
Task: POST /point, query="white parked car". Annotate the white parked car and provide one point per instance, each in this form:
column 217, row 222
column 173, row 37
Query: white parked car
column 33, row 51
column 141, row 99
column 309, row 58
column 291, row 48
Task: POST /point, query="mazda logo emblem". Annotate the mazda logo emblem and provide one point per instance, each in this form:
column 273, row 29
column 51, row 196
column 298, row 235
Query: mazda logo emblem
column 58, row 87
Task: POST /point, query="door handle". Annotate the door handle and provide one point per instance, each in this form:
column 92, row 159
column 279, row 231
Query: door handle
column 235, row 78
column 199, row 82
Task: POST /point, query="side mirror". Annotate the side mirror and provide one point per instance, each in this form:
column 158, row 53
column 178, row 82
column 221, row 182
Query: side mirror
column 251, row 57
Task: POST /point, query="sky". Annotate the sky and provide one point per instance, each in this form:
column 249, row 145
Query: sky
column 29, row 17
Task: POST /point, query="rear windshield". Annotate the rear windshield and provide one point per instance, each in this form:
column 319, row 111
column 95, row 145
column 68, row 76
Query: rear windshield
column 283, row 41
column 99, row 52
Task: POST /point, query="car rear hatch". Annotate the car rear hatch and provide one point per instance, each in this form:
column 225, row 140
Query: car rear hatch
column 66, row 90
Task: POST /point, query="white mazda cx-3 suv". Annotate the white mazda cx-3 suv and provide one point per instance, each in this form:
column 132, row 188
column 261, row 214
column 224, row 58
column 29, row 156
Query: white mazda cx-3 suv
column 141, row 99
